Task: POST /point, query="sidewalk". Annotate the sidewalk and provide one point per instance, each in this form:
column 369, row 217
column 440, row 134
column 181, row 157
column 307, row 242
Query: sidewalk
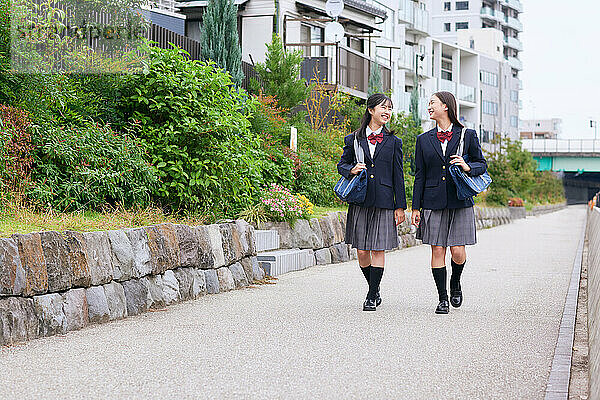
column 306, row 336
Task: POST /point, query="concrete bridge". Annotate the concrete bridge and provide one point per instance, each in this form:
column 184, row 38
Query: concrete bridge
column 578, row 160
column 307, row 337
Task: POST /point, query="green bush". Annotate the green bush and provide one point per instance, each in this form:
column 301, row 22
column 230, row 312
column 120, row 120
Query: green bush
column 72, row 98
column 514, row 174
column 196, row 126
column 279, row 75
column 89, row 166
column 316, row 178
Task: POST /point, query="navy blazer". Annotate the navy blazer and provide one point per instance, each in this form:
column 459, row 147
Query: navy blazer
column 385, row 176
column 434, row 188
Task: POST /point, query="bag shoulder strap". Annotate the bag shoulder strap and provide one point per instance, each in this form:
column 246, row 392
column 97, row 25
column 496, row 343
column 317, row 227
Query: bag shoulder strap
column 358, row 151
column 461, row 144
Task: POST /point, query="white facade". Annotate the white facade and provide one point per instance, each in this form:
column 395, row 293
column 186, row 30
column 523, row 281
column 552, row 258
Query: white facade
column 541, row 128
column 449, row 18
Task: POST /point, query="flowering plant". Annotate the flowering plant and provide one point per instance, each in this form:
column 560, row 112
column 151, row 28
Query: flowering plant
column 515, row 202
column 282, row 205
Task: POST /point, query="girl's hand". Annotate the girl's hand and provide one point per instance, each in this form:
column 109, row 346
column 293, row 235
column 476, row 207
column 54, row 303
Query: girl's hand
column 458, row 160
column 399, row 215
column 357, row 168
column 416, row 217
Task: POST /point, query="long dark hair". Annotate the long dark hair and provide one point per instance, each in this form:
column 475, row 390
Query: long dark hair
column 450, row 101
column 373, row 101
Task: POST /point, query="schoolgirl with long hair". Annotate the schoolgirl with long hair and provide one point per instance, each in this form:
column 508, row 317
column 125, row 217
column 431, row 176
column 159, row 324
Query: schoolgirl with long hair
column 442, row 219
column 371, row 225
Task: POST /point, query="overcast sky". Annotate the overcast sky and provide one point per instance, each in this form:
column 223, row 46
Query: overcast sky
column 561, row 63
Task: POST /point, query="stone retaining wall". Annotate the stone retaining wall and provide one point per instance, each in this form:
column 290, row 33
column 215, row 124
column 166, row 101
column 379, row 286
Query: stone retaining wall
column 545, row 209
column 325, row 236
column 53, row 282
column 593, row 236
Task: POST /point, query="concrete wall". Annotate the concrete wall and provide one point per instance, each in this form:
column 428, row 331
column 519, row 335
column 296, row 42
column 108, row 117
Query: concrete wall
column 593, row 235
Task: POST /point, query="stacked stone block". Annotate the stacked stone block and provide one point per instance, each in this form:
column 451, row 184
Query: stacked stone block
column 52, row 283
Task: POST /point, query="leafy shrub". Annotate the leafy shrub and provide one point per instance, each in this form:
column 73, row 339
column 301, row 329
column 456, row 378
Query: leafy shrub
column 15, row 149
column 316, row 178
column 279, row 75
column 72, row 98
column 514, row 174
column 196, row 127
column 89, row 166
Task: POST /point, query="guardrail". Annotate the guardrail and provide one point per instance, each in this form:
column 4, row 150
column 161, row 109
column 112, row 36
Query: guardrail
column 561, row 145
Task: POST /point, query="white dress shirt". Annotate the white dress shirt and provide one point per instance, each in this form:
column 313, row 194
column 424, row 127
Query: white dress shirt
column 372, row 146
column 445, row 142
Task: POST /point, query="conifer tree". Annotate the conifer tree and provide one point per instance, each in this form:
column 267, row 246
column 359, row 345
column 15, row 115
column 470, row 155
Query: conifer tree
column 280, row 75
column 375, row 84
column 220, row 38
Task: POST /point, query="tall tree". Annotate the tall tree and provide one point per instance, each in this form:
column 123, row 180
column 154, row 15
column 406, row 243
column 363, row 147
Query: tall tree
column 280, row 75
column 220, row 41
column 375, row 84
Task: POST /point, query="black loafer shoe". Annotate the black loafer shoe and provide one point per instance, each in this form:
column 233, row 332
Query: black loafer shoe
column 456, row 298
column 369, row 305
column 443, row 307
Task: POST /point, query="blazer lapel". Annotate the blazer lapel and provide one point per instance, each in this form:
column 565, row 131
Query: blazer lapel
column 453, row 144
column 435, row 143
column 363, row 143
column 380, row 145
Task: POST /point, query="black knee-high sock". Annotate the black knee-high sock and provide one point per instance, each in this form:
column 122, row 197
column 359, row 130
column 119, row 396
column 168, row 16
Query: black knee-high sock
column 439, row 276
column 374, row 281
column 366, row 272
column 455, row 277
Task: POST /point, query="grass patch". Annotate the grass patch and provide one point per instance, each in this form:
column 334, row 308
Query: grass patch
column 322, row 211
column 20, row 219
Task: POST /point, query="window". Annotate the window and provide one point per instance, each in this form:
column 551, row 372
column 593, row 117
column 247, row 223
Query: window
column 446, row 70
column 471, row 43
column 489, row 107
column 462, row 5
column 489, row 78
column 485, row 136
column 462, row 25
column 447, row 27
column 447, row 6
column 514, row 121
column 312, row 34
column 514, row 96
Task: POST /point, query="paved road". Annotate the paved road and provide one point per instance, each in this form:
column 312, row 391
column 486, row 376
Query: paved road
column 306, row 336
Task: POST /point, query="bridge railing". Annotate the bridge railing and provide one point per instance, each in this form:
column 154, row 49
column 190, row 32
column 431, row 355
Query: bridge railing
column 561, row 145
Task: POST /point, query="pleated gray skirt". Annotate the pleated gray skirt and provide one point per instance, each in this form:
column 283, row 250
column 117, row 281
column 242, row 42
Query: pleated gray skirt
column 371, row 228
column 448, row 227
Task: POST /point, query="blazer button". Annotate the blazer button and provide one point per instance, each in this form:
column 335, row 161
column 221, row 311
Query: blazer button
column 372, row 176
column 372, row 165
column 443, row 167
column 443, row 178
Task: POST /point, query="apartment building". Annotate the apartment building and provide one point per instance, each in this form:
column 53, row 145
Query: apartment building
column 404, row 37
column 450, row 20
column 540, row 128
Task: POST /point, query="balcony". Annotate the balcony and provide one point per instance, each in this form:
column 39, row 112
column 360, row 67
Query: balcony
column 407, row 58
column 514, row 4
column 513, row 23
column 514, row 63
column 487, row 12
column 417, row 19
column 466, row 93
column 513, row 43
column 404, row 105
column 348, row 68
column 446, row 86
